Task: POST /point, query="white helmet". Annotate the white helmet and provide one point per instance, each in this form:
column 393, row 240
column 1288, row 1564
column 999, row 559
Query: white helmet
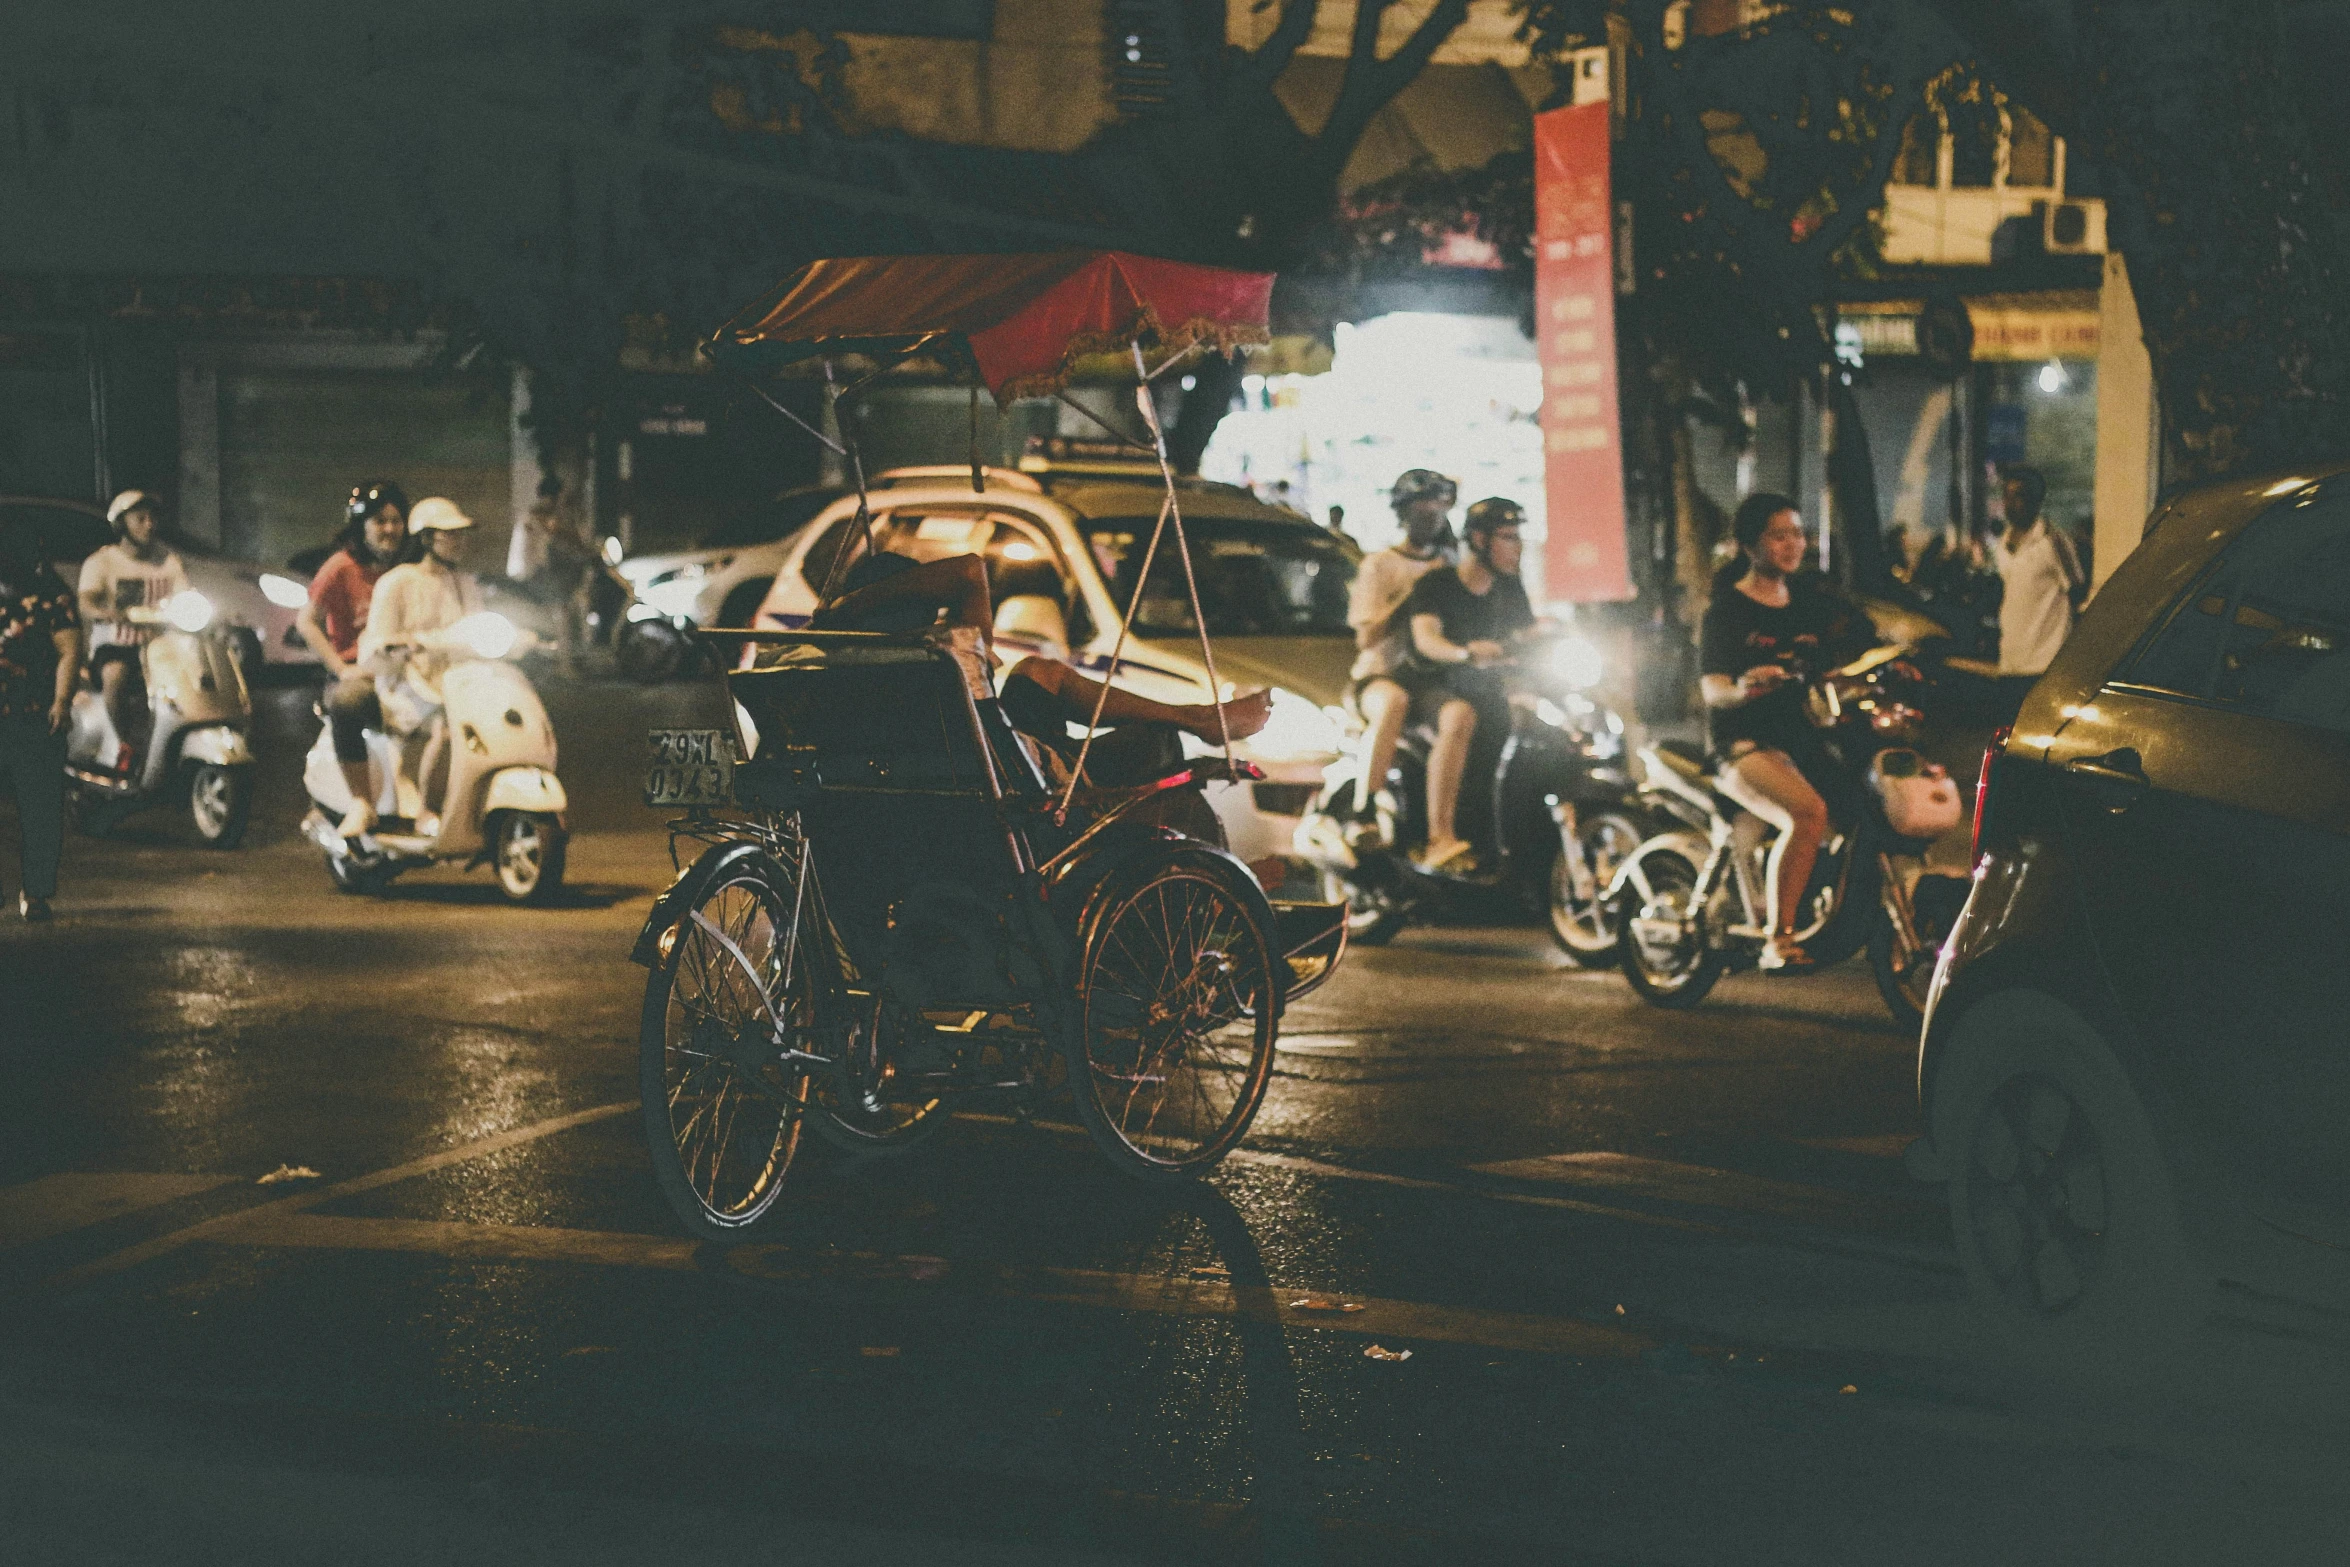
column 436, row 513
column 129, row 501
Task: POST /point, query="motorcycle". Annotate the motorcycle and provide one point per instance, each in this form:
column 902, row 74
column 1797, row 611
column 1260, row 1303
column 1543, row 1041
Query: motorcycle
column 1695, row 901
column 196, row 747
column 501, row 805
column 1559, row 818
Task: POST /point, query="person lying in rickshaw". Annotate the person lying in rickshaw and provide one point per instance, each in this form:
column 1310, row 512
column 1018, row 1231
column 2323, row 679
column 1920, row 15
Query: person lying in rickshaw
column 1040, row 696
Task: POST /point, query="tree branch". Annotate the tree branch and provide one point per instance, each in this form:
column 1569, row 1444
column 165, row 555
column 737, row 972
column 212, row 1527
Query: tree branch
column 1268, row 60
column 1371, row 83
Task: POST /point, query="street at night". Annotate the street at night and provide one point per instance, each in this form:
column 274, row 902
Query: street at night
column 1665, row 1291
column 1309, row 782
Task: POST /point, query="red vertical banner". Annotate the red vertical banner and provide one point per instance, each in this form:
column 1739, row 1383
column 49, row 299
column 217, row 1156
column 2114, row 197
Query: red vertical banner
column 1585, row 557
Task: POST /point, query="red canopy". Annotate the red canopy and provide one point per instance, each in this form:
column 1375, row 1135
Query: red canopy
column 1027, row 318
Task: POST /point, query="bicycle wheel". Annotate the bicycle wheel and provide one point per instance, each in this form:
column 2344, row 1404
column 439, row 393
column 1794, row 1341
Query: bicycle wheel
column 1177, row 1009
column 723, row 1109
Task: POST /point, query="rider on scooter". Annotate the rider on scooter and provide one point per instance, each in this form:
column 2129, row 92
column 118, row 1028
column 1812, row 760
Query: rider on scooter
column 374, row 538
column 399, row 646
column 136, row 571
column 1768, row 630
column 1464, row 620
column 1387, row 680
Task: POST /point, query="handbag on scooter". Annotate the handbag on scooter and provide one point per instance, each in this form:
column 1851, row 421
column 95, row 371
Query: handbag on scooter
column 1920, row 798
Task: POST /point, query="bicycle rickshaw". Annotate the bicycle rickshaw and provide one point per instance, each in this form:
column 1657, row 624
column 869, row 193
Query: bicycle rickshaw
column 901, row 914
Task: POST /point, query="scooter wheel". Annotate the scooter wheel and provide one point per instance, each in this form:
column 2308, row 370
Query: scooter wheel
column 528, row 849
column 220, row 803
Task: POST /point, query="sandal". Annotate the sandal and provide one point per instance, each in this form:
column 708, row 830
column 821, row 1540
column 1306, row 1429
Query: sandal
column 1785, row 960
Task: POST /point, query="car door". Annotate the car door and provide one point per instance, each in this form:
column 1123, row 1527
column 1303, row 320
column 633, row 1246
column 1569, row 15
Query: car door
column 2205, row 794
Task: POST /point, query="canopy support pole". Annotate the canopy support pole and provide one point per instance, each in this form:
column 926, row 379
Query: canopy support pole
column 1123, row 438
column 856, row 457
column 1170, row 509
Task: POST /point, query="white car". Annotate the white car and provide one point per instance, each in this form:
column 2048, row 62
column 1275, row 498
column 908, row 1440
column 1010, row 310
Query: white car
column 722, row 581
column 257, row 605
column 1063, row 550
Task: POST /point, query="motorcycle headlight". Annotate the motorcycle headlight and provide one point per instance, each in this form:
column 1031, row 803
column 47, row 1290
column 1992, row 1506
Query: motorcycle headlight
column 487, row 635
column 284, row 592
column 1297, row 729
column 189, row 611
column 1576, row 661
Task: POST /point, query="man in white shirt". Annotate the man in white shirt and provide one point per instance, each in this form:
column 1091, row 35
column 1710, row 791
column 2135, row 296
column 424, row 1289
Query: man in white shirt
column 1387, row 675
column 403, row 645
column 2040, row 574
column 137, row 572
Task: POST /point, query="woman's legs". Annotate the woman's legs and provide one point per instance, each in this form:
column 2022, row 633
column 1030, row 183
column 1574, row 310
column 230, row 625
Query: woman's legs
column 1774, row 777
column 352, row 709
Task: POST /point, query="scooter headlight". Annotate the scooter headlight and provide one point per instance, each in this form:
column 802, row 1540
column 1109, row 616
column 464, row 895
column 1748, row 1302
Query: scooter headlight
column 1576, row 661
column 284, row 592
column 486, row 635
column 188, row 611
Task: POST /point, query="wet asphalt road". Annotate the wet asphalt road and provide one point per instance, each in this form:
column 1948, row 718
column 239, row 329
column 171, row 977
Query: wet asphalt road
column 1666, row 1294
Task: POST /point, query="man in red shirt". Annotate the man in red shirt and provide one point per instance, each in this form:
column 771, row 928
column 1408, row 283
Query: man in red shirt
column 373, row 540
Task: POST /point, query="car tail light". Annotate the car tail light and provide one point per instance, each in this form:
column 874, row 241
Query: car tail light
column 1991, row 755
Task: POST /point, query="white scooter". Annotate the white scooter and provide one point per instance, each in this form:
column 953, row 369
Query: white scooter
column 196, row 744
column 501, row 803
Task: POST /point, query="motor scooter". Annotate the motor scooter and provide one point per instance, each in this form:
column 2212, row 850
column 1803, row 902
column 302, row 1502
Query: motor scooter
column 1558, row 818
column 196, row 747
column 500, row 803
column 1696, row 901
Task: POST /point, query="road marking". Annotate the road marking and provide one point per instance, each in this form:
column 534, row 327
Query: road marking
column 1186, row 1296
column 54, row 1204
column 162, row 1245
column 1698, row 1185
column 1887, row 1145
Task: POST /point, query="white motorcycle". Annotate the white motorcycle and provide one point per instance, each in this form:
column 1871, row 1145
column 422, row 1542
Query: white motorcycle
column 196, row 744
column 500, row 801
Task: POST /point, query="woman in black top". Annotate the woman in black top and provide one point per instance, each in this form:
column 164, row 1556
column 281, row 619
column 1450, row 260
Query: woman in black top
column 1765, row 633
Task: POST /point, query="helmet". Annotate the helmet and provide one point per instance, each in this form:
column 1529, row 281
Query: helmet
column 1422, row 484
column 1490, row 513
column 373, row 496
column 434, row 513
column 126, row 503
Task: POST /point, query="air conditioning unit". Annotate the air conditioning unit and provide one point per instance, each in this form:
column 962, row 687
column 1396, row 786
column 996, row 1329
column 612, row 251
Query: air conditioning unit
column 2072, row 228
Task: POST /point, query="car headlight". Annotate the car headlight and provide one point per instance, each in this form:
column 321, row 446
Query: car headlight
column 188, row 610
column 1297, row 728
column 1576, row 661
column 284, row 592
column 487, row 635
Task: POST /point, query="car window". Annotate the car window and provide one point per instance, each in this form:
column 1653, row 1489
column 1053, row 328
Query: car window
column 1255, row 578
column 54, row 532
column 2266, row 629
column 1020, row 555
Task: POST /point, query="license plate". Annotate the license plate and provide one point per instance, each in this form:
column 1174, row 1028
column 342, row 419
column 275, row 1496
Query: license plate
column 689, row 767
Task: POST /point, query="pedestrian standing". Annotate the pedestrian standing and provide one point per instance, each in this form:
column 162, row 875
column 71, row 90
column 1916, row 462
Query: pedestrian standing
column 555, row 562
column 40, row 659
column 2041, row 583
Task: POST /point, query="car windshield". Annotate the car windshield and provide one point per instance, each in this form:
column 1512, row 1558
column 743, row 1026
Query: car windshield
column 769, row 520
column 1256, row 579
